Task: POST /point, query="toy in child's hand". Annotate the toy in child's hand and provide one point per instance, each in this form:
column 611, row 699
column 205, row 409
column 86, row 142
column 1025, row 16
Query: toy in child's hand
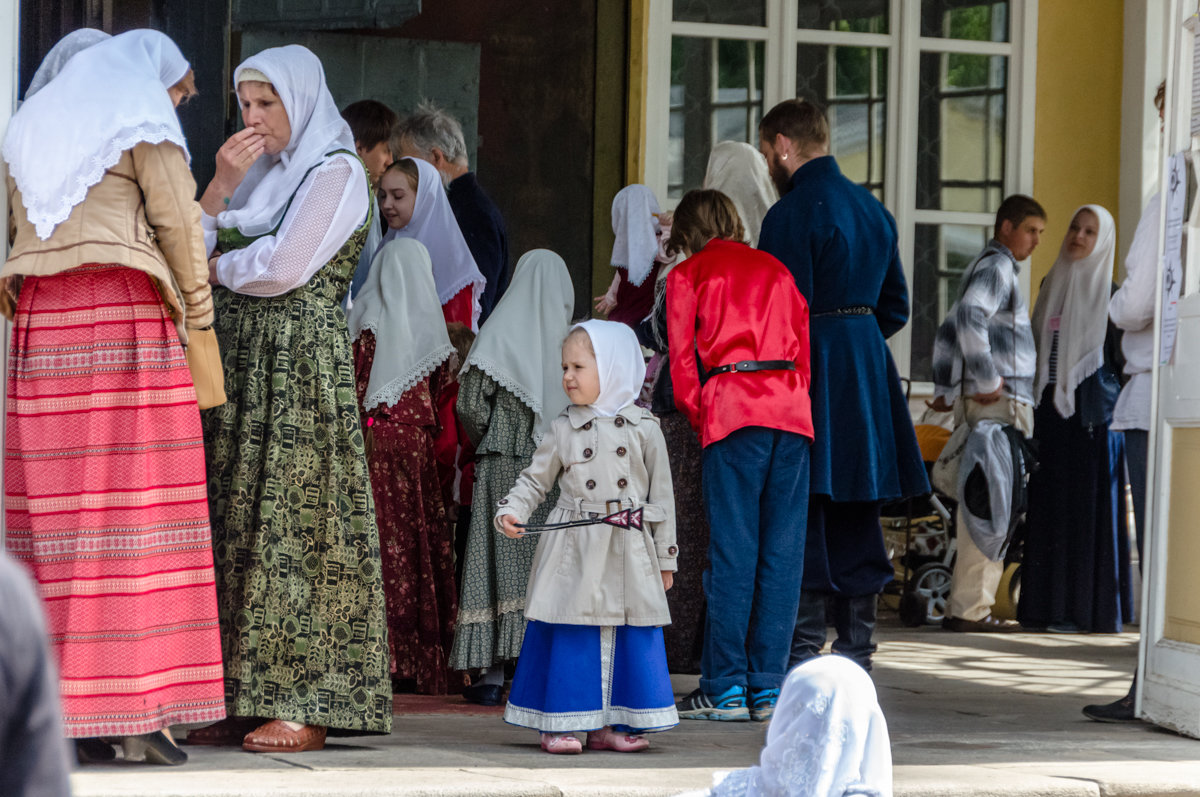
column 625, row 519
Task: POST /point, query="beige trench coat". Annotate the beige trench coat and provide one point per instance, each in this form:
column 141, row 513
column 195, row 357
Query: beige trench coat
column 599, row 574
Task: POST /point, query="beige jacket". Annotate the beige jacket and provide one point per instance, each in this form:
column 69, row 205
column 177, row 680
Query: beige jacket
column 142, row 214
column 599, row 574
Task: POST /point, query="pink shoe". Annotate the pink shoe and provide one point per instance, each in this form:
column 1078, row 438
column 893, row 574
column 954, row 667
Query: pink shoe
column 561, row 744
column 608, row 739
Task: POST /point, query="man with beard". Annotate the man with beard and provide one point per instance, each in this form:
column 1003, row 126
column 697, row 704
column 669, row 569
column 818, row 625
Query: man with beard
column 839, row 242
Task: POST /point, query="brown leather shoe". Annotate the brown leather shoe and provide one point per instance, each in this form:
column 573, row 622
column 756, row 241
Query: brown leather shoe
column 988, row 625
column 275, row 737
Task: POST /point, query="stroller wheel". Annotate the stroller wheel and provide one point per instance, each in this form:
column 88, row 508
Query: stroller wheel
column 931, row 588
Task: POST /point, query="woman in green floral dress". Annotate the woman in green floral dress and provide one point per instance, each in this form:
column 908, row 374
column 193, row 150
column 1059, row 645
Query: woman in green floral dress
column 295, row 541
column 510, row 390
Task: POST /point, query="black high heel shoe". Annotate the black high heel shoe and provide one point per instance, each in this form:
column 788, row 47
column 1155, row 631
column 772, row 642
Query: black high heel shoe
column 153, row 748
column 94, row 751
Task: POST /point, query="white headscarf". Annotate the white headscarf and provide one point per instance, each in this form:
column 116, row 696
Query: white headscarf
column 739, row 171
column 635, row 223
column 74, row 42
column 258, row 204
column 399, row 304
column 1079, row 292
column 107, row 99
column 520, row 344
column 828, row 738
column 434, row 225
column 619, row 362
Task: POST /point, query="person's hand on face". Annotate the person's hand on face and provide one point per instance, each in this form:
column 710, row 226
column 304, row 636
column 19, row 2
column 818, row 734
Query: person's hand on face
column 396, row 199
column 235, row 157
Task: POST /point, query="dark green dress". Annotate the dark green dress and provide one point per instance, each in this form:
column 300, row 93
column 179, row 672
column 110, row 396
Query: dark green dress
column 295, row 543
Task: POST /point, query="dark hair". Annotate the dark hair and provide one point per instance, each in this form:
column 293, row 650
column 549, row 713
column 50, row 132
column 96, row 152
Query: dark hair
column 1015, row 209
column 801, row 121
column 704, row 214
column 1160, row 97
column 370, row 122
column 408, row 168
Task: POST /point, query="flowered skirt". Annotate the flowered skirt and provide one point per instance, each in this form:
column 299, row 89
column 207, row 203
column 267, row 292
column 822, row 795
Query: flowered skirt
column 584, row 677
column 105, row 501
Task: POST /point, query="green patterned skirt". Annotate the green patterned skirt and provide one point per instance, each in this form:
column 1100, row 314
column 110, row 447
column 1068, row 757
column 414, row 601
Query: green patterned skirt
column 295, row 542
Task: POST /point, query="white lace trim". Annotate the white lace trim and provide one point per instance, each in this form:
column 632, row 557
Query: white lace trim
column 46, row 213
column 512, row 386
column 392, row 392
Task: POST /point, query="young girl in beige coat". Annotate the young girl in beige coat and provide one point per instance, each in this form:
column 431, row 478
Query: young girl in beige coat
column 593, row 657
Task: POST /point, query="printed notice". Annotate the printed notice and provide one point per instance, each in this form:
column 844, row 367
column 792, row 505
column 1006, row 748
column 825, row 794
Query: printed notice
column 1173, row 255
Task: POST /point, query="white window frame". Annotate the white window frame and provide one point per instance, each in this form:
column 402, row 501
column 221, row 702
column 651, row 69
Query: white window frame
column 905, row 46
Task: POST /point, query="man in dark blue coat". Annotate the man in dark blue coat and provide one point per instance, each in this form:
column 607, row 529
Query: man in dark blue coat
column 839, row 242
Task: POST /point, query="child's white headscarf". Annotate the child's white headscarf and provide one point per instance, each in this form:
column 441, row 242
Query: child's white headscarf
column 828, row 738
column 619, row 362
column 1078, row 291
column 520, row 344
column 434, row 225
column 399, row 305
column 635, row 225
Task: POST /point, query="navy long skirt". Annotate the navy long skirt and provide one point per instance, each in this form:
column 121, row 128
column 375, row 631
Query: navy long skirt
column 1075, row 566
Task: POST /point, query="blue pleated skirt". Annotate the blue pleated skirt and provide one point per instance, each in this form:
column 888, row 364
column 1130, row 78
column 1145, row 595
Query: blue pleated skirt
column 584, row 677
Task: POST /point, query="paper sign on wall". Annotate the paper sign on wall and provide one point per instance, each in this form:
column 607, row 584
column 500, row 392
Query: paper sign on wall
column 1173, row 254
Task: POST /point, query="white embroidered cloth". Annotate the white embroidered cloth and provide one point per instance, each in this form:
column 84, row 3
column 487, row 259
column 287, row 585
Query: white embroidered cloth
column 635, row 225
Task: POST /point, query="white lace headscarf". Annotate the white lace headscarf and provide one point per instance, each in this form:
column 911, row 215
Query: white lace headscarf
column 257, row 206
column 399, row 305
column 635, row 225
column 520, row 344
column 434, row 225
column 619, row 362
column 828, row 738
column 739, row 171
column 74, row 42
column 1078, row 291
column 107, row 99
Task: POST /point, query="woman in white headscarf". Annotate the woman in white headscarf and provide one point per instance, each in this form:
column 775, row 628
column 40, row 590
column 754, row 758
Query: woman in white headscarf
column 104, row 467
column 637, row 256
column 74, row 42
column 303, row 628
column 431, row 221
column 828, row 738
column 739, row 171
column 510, row 390
column 1075, row 567
column 402, row 358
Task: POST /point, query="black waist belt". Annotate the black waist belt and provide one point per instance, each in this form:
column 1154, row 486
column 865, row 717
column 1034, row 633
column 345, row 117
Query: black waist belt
column 755, row 365
column 854, row 309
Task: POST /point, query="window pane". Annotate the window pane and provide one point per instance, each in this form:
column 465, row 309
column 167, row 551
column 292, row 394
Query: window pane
column 859, row 16
column 941, row 254
column 961, row 132
column 716, row 94
column 965, row 19
column 851, row 84
column 725, row 12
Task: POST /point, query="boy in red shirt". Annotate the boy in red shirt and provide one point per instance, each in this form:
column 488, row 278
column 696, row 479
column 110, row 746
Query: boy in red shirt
column 739, row 311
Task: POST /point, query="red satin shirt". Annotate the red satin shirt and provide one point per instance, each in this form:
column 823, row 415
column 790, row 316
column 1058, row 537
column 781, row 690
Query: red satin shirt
column 729, row 303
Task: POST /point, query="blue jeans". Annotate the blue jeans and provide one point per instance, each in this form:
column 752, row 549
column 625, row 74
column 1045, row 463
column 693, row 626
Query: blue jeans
column 756, row 495
column 1137, row 443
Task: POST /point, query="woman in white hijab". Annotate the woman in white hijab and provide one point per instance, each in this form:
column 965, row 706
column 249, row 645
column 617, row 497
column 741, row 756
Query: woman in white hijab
column 510, row 390
column 74, row 42
column 297, row 554
column 828, row 738
column 460, row 283
column 1075, row 570
column 739, row 171
column 402, row 358
column 104, row 464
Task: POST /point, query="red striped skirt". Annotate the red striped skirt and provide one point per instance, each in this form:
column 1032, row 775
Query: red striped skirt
column 105, row 501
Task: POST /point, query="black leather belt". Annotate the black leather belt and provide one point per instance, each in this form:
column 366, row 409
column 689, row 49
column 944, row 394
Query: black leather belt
column 754, row 365
column 854, row 309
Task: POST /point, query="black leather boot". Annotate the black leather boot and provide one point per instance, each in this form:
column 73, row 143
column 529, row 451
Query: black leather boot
column 854, row 619
column 809, row 636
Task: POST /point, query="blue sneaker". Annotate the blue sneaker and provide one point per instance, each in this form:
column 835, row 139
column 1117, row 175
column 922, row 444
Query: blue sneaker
column 762, row 704
column 729, row 706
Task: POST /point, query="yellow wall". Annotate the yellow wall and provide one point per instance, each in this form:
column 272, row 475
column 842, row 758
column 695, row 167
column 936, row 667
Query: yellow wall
column 1077, row 128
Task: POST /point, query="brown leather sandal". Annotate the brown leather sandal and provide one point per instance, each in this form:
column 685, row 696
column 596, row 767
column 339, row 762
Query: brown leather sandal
column 229, row 732
column 275, row 737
